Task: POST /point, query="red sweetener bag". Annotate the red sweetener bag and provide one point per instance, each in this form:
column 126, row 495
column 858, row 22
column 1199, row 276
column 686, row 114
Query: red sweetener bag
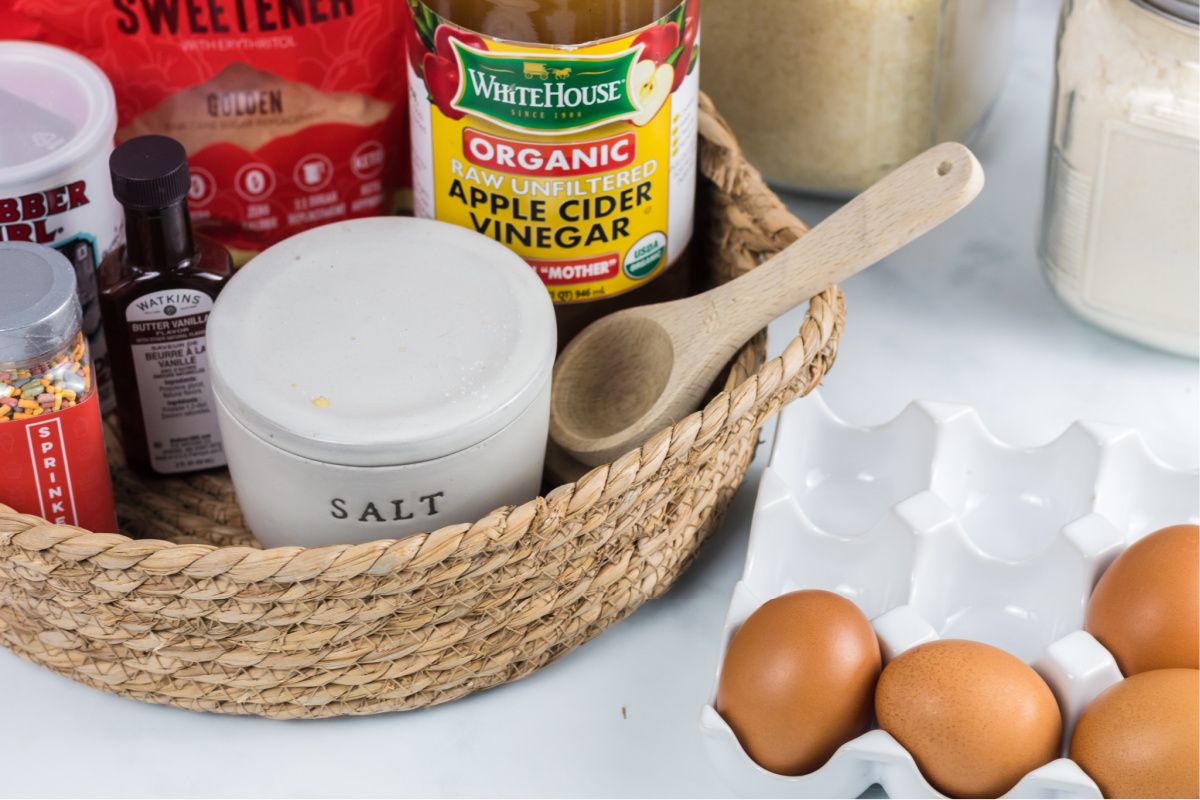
column 293, row 112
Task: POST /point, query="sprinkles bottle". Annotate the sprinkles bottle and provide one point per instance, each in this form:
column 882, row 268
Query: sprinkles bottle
column 52, row 458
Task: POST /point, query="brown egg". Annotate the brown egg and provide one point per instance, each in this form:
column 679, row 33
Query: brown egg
column 1141, row 737
column 974, row 718
column 799, row 679
column 1146, row 607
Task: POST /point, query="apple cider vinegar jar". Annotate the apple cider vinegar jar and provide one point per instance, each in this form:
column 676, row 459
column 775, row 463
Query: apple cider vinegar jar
column 566, row 131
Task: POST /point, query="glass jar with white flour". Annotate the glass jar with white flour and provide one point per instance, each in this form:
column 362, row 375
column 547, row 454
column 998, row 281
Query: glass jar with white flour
column 1120, row 233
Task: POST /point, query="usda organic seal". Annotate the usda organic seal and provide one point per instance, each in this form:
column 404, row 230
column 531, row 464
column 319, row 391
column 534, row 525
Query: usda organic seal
column 645, row 255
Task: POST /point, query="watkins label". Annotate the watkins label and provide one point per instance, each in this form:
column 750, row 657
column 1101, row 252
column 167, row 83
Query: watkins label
column 580, row 159
column 170, row 357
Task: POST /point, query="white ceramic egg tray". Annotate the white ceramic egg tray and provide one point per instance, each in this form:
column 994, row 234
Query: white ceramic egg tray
column 936, row 529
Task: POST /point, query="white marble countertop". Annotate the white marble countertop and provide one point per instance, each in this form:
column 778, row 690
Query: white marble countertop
column 962, row 316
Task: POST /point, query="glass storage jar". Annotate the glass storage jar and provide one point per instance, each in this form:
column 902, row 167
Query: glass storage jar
column 1120, row 232
column 829, row 96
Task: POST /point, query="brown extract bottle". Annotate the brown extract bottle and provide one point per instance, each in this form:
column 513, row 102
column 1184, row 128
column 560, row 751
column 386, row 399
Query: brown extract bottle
column 566, row 130
column 156, row 291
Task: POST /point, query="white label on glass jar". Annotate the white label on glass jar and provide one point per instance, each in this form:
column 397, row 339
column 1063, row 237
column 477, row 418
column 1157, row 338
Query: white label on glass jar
column 1142, row 245
column 166, row 334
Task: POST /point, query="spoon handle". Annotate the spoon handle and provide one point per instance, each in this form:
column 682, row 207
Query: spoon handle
column 914, row 198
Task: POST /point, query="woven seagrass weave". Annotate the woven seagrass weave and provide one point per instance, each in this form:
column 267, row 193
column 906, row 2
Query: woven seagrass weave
column 191, row 612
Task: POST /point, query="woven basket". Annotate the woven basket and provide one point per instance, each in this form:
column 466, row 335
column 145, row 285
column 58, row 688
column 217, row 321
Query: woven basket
column 192, row 613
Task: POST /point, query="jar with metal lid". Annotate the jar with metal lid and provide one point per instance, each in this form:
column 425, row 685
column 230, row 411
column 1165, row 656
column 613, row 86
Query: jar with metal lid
column 381, row 377
column 1120, row 231
column 829, row 96
column 51, row 436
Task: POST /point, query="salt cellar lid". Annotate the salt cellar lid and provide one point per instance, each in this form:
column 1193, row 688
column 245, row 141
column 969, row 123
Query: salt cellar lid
column 381, row 341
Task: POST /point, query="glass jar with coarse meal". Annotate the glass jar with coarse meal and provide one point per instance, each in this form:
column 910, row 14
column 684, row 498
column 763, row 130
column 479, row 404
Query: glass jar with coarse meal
column 565, row 130
column 1120, row 234
column 828, row 96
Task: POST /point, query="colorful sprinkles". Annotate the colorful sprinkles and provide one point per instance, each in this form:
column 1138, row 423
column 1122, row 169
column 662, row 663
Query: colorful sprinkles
column 46, row 387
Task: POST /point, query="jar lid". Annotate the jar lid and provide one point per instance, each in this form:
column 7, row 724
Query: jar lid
column 381, row 341
column 149, row 172
column 39, row 307
column 1185, row 10
column 56, row 107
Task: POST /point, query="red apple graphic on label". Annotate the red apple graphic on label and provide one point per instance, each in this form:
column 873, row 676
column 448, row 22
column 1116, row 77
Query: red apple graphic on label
column 441, row 77
column 681, row 67
column 650, row 86
column 691, row 27
column 659, row 42
column 691, row 22
column 443, row 35
column 416, row 48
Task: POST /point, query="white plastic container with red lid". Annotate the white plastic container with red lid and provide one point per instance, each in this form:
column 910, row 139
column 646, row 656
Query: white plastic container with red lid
column 58, row 117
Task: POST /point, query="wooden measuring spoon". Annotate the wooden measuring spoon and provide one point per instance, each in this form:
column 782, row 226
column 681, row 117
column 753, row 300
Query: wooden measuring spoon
column 631, row 374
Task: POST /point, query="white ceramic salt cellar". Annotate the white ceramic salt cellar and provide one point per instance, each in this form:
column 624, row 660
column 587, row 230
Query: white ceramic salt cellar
column 381, row 377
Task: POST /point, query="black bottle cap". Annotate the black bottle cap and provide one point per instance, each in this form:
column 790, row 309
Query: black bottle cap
column 149, row 172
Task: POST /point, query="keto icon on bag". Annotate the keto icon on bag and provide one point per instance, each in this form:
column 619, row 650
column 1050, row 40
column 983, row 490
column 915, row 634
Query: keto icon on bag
column 292, row 112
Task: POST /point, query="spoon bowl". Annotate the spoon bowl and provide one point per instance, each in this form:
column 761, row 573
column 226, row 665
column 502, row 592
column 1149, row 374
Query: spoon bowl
column 616, row 375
